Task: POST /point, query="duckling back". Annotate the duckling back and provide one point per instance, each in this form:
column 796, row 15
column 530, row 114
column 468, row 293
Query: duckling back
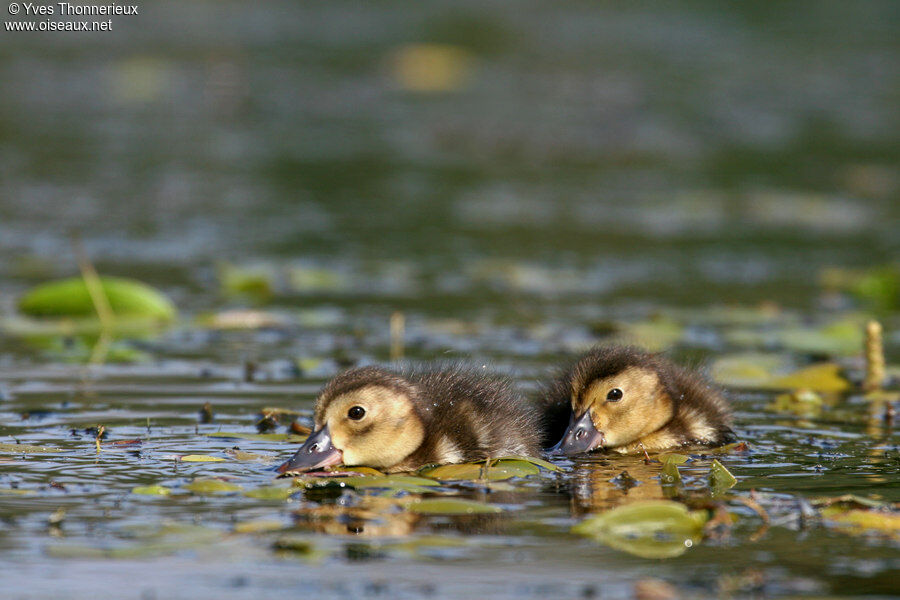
column 471, row 416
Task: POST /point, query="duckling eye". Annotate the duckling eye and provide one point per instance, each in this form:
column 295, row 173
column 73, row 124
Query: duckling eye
column 614, row 395
column 356, row 413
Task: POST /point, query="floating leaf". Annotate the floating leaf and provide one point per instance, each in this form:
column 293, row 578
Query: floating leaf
column 258, row 526
column 720, row 479
column 15, row 492
column 243, row 319
column 151, row 490
column 271, row 492
column 824, row 377
column 669, row 475
column 260, row 437
column 294, row 543
column 857, row 520
column 241, row 455
column 451, row 506
column 502, row 469
column 70, row 298
column 750, row 370
column 803, row 402
column 201, row 458
column 650, row 529
column 842, row 338
column 257, row 283
column 211, row 486
column 535, row 461
column 363, row 471
column 406, row 483
column 26, row 449
column 431, row 67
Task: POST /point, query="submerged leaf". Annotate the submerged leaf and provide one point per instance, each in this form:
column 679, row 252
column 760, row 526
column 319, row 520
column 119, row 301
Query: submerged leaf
column 451, row 506
column 650, row 529
column 720, row 479
column 70, row 298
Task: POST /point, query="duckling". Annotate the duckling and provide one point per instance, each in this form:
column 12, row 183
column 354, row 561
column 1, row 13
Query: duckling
column 399, row 422
column 628, row 400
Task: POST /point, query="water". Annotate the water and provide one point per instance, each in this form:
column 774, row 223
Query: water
column 680, row 174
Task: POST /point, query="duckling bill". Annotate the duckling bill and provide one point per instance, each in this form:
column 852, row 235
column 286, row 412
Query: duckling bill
column 399, row 422
column 627, row 400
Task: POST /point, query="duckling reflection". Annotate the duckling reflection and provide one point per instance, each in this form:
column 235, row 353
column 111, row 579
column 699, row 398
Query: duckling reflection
column 386, row 517
column 628, row 401
column 372, row 517
column 400, row 422
column 601, row 484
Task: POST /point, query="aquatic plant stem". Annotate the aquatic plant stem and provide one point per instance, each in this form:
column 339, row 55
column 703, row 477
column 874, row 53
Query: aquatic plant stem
column 874, row 357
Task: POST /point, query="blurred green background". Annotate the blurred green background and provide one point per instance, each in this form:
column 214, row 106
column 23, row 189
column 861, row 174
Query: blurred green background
column 668, row 152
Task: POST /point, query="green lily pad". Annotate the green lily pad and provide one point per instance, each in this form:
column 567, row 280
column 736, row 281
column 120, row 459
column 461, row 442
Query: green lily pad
column 451, row 506
column 650, row 529
column 406, row 483
column 497, row 471
column 824, row 377
column 535, row 461
column 720, row 479
column 271, row 492
column 749, row 370
column 70, row 298
column 211, row 486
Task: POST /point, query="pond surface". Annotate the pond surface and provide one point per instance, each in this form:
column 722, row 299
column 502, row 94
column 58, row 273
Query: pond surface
column 708, row 181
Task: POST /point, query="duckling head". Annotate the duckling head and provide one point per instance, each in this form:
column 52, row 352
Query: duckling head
column 365, row 416
column 616, row 399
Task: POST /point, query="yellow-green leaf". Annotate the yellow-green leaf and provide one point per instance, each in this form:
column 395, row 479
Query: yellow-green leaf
column 70, row 298
column 651, row 529
column 824, row 377
column 201, row 458
column 211, row 486
column 151, row 490
column 270, row 492
column 496, row 471
column 451, row 506
column 720, row 479
column 258, row 526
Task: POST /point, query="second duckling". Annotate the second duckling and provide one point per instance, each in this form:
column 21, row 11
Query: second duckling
column 627, row 400
column 399, row 422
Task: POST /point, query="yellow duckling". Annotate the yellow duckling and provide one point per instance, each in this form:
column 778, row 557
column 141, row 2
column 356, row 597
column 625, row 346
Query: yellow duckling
column 399, row 422
column 628, row 400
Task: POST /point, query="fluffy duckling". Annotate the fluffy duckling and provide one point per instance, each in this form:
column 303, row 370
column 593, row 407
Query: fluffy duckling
column 399, row 422
column 628, row 400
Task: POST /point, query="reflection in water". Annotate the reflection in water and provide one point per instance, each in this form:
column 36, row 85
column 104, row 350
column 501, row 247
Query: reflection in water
column 603, row 482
